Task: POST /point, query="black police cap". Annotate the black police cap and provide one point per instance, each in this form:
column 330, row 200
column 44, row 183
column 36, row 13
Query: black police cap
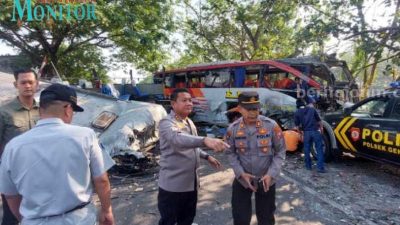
column 249, row 100
column 61, row 93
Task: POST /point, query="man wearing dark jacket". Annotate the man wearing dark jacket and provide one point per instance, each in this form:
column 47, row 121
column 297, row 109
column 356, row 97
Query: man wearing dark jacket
column 309, row 122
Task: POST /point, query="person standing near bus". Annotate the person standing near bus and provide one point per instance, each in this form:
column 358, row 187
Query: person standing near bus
column 257, row 151
column 308, row 121
column 180, row 158
column 16, row 117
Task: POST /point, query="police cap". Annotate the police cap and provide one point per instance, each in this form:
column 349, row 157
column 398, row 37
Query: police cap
column 249, row 100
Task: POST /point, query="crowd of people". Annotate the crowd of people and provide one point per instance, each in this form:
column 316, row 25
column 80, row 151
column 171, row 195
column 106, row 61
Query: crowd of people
column 50, row 169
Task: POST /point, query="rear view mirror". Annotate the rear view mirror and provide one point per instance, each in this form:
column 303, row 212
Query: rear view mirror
column 347, row 111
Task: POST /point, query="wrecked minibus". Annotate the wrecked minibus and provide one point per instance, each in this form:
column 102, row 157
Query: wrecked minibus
column 127, row 130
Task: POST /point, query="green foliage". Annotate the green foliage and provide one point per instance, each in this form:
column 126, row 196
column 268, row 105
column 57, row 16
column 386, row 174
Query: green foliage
column 147, row 80
column 373, row 46
column 135, row 30
column 142, row 34
column 80, row 64
column 358, row 60
column 238, row 30
column 184, row 60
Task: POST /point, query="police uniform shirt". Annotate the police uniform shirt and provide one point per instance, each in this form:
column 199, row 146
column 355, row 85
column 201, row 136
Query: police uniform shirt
column 180, row 154
column 15, row 119
column 52, row 167
column 259, row 150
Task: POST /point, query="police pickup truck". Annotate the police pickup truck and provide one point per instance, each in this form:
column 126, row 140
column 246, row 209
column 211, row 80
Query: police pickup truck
column 369, row 129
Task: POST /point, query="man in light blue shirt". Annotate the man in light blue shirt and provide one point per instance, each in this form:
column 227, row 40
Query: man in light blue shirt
column 47, row 174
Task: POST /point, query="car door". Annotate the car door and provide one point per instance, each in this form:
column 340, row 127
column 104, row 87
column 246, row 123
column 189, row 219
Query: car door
column 372, row 130
column 392, row 125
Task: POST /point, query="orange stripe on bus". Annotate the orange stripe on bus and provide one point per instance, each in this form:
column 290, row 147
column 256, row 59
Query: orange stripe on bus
column 196, row 92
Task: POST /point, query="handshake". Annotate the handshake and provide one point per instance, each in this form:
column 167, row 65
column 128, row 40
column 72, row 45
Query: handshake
column 215, row 144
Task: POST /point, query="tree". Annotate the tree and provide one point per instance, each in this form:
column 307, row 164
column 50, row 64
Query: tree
column 81, row 63
column 239, row 30
column 133, row 30
column 372, row 45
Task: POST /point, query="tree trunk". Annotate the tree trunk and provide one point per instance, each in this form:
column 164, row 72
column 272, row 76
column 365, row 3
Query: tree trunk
column 368, row 79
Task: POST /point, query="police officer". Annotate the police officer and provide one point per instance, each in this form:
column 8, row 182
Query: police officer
column 180, row 158
column 16, row 117
column 308, row 121
column 256, row 154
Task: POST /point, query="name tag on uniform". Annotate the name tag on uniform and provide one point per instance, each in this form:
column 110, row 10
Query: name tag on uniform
column 263, row 136
column 240, row 138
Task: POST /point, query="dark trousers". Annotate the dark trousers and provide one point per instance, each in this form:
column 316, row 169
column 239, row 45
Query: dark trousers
column 177, row 207
column 241, row 205
column 8, row 217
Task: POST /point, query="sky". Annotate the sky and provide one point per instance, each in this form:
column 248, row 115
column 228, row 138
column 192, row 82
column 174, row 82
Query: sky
column 377, row 16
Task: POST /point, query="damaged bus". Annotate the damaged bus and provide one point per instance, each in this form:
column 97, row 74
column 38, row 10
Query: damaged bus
column 215, row 87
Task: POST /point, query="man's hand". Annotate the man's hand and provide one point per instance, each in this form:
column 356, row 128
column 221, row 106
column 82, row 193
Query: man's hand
column 214, row 162
column 103, row 190
column 247, row 178
column 14, row 202
column 106, row 217
column 266, row 182
column 321, row 128
column 215, row 144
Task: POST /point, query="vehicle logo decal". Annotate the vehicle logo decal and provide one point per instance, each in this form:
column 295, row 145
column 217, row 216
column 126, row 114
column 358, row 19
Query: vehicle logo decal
column 340, row 133
column 355, row 133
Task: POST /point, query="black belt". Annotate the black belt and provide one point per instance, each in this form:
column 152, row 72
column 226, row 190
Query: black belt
column 71, row 210
column 78, row 207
